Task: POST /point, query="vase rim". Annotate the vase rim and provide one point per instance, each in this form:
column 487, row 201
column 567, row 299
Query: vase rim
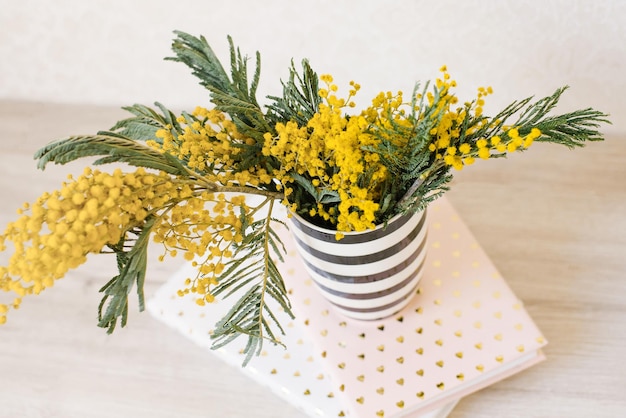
column 378, row 227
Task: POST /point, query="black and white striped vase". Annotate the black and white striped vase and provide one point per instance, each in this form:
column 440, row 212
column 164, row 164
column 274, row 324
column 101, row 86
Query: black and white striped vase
column 366, row 275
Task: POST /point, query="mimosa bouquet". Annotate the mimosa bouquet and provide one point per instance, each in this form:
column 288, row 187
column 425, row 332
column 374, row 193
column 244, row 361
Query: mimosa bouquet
column 206, row 184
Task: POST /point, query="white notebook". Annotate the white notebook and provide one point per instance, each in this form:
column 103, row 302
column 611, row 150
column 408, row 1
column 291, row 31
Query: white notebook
column 465, row 330
column 295, row 374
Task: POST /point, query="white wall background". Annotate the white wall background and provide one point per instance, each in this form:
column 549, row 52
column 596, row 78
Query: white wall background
column 110, row 52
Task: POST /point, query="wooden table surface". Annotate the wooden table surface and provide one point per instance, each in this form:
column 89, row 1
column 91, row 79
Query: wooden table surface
column 552, row 220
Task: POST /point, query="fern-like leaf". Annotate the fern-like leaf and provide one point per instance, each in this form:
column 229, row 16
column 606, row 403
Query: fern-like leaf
column 111, row 147
column 145, row 122
column 132, row 271
column 235, row 96
column 300, row 100
column 254, row 279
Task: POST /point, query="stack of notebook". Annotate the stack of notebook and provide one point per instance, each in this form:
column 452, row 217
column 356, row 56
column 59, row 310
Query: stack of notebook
column 463, row 331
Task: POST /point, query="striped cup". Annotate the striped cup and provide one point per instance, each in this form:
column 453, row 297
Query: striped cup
column 367, row 275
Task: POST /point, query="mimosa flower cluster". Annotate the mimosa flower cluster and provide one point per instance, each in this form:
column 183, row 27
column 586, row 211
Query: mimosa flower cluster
column 97, row 209
column 206, row 184
column 332, row 152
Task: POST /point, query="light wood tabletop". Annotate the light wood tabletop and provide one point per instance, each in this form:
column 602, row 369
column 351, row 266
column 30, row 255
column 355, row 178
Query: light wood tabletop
column 552, row 220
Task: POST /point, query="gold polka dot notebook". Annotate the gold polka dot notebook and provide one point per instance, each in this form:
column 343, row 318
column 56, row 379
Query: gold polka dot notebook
column 463, row 331
column 297, row 375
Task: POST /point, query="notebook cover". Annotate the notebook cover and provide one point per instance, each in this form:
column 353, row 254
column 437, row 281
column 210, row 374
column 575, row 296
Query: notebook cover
column 295, row 374
column 464, row 331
